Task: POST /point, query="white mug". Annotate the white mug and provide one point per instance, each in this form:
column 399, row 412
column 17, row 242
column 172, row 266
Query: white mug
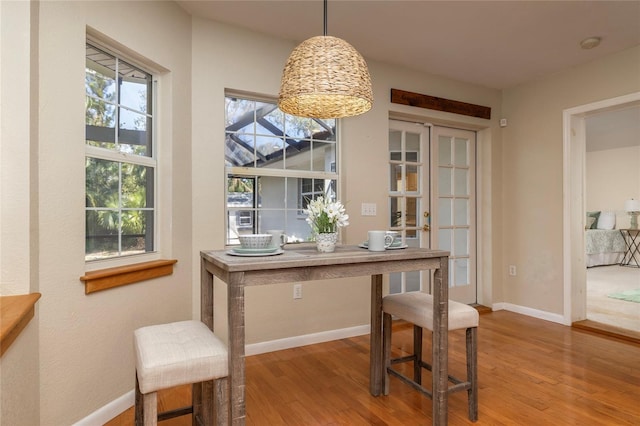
column 379, row 240
column 279, row 238
column 396, row 237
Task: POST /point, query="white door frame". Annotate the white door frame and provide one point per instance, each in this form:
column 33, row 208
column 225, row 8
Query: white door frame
column 574, row 205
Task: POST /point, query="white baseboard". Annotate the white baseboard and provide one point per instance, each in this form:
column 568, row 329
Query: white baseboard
column 126, row 401
column 109, row 411
column 307, row 339
column 535, row 313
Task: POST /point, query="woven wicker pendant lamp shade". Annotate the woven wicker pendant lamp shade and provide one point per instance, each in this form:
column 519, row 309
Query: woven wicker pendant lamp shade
column 325, row 77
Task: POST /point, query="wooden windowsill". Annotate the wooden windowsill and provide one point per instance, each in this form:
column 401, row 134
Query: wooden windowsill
column 104, row 279
column 15, row 314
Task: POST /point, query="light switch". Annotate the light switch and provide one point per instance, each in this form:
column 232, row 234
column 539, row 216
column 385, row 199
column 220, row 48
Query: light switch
column 368, row 209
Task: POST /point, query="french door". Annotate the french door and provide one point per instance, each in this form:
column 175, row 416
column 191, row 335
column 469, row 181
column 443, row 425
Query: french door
column 432, row 201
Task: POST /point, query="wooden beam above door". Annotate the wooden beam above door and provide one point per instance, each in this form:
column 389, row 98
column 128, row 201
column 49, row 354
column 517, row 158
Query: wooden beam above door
column 439, row 104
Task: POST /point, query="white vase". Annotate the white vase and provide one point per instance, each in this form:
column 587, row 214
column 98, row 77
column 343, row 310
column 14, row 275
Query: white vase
column 326, row 242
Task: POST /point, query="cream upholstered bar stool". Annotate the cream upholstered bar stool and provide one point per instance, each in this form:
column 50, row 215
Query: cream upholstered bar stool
column 179, row 353
column 417, row 308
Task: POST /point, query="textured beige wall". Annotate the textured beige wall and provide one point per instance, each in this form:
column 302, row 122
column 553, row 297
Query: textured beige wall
column 613, row 176
column 233, row 58
column 86, row 353
column 533, row 172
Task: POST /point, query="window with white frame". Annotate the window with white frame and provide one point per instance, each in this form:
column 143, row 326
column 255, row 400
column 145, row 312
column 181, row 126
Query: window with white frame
column 120, row 163
column 275, row 164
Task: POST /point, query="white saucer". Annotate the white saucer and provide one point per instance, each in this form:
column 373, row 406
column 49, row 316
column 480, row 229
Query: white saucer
column 243, row 250
column 255, row 254
column 365, row 245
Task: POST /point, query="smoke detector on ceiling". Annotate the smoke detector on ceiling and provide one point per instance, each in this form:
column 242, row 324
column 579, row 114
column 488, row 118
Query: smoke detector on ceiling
column 590, row 43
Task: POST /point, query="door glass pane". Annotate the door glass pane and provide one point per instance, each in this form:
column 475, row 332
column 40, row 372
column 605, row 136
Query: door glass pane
column 444, row 180
column 461, row 177
column 395, row 283
column 395, row 144
column 444, row 239
column 444, row 151
column 412, row 146
column 444, row 212
column 461, row 244
column 412, row 281
column 413, row 177
column 461, row 272
column 413, row 211
column 395, row 215
column 461, row 156
column 461, row 211
column 395, row 178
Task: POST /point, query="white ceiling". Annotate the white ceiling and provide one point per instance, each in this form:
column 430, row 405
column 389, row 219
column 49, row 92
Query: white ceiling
column 496, row 44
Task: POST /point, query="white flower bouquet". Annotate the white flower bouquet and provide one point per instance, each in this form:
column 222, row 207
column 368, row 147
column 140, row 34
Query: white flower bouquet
column 326, row 216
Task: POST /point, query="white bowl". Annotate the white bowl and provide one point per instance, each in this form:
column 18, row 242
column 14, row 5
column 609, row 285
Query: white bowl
column 255, row 241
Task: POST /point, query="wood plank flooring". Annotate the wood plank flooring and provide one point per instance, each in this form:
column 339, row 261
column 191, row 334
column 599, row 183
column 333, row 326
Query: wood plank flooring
column 531, row 372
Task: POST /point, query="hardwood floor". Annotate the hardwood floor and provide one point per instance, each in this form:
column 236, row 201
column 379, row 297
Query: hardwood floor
column 531, row 372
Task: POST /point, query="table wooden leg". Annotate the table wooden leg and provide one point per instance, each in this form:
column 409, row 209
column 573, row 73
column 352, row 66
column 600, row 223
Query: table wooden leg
column 376, row 362
column 440, row 342
column 203, row 394
column 237, row 406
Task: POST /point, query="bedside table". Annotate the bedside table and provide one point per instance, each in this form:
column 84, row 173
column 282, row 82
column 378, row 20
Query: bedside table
column 632, row 254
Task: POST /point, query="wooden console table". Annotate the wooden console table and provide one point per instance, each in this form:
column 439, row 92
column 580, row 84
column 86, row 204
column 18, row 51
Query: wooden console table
column 305, row 263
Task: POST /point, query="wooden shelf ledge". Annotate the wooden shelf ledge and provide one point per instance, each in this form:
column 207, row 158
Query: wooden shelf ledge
column 15, row 313
column 104, row 279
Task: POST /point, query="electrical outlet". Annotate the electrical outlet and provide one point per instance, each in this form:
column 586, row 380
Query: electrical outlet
column 512, row 270
column 368, row 209
column 297, row 291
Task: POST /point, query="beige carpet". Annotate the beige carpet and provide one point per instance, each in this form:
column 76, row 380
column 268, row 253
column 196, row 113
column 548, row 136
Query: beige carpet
column 603, row 280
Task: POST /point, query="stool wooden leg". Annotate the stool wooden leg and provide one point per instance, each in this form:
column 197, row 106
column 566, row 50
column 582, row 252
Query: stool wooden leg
column 386, row 351
column 472, row 372
column 417, row 354
column 150, row 407
column 139, row 413
column 221, row 405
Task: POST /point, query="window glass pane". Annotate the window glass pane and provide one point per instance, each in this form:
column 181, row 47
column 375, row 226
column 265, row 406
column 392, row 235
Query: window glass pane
column 444, row 212
column 461, row 156
column 133, row 137
column 102, row 182
column 269, row 152
column 324, row 156
column 444, row 151
column 272, row 194
column 461, row 211
column 239, row 150
column 133, row 231
column 461, row 177
column 100, row 121
column 134, row 186
column 239, row 114
column 413, row 177
column 100, row 74
column 134, row 87
column 101, row 234
column 444, row 180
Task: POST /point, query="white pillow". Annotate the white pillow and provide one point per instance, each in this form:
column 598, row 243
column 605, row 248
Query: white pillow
column 607, row 220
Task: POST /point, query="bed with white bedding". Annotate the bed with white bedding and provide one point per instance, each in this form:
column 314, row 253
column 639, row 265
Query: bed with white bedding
column 604, row 247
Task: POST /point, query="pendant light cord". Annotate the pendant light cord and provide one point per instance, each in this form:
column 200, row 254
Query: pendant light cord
column 325, row 18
